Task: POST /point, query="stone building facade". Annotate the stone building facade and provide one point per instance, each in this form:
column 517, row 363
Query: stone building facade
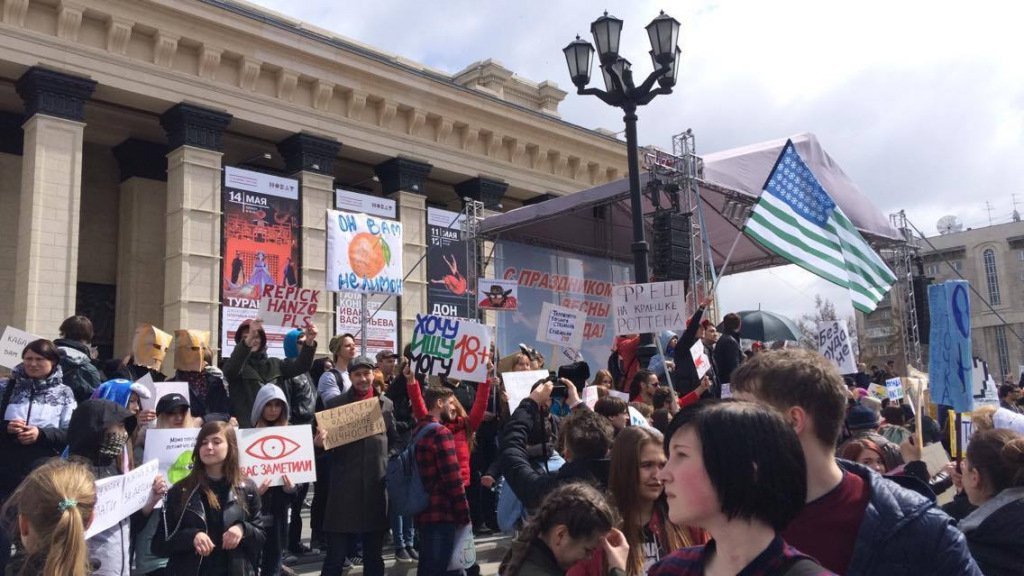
column 118, row 116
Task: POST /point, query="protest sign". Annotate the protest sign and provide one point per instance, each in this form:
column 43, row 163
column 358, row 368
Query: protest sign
column 950, row 366
column 276, row 452
column 878, row 391
column 621, row 395
column 518, row 384
column 364, row 254
column 12, row 344
column 499, row 295
column 966, row 429
column 834, row 344
column 561, row 326
column 636, row 418
column 451, row 347
column 288, row 306
column 590, row 396
column 108, row 505
column 934, row 457
column 351, row 422
column 726, row 390
column 700, row 359
column 138, row 485
column 894, row 389
column 172, row 448
column 651, row 307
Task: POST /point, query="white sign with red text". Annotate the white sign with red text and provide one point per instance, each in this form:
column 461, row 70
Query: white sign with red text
column 275, row 452
column 288, row 306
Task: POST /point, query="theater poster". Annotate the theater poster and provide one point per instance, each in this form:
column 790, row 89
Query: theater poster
column 260, row 245
column 571, row 280
column 450, row 281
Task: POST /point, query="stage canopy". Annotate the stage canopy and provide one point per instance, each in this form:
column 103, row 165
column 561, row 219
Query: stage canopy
column 598, row 221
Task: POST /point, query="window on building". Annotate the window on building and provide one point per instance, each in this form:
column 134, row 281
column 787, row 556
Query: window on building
column 991, row 277
column 956, row 265
column 1003, row 351
column 932, row 269
column 1020, row 255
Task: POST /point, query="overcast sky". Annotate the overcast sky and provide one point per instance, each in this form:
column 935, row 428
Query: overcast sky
column 921, row 103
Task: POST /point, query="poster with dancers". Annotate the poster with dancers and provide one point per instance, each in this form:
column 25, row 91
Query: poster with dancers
column 450, row 282
column 260, row 246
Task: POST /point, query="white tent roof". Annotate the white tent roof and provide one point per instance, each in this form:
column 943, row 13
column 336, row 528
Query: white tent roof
column 598, row 221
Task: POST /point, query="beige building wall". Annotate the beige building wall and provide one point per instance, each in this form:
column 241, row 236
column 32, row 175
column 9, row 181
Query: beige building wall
column 10, row 191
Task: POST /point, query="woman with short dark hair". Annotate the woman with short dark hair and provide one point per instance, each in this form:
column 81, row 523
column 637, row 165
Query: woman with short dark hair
column 735, row 469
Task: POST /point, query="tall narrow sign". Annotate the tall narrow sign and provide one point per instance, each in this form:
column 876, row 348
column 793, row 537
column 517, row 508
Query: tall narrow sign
column 260, row 247
column 450, row 280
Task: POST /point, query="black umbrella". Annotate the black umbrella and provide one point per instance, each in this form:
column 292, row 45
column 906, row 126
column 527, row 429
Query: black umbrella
column 766, row 326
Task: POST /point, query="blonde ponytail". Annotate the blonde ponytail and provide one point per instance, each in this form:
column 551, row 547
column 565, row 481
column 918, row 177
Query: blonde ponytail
column 57, row 500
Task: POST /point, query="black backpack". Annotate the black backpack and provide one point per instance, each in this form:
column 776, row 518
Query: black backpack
column 82, row 378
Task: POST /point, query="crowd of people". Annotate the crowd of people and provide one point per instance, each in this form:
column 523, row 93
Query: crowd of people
column 767, row 463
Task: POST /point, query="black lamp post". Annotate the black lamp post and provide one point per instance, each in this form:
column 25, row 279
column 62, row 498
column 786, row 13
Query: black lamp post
column 621, row 92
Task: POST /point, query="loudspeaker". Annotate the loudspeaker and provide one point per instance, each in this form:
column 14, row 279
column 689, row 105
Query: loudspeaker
column 670, row 257
column 924, row 322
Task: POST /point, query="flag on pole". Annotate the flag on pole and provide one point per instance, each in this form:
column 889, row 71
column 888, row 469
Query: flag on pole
column 796, row 219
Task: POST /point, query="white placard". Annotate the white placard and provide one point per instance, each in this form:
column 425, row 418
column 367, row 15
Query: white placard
column 364, row 254
column 617, row 394
column 12, row 344
column 651, row 307
column 172, row 448
column 288, row 306
column 275, row 452
column 834, row 344
column 108, row 505
column 726, row 390
column 894, row 388
column 700, row 359
column 349, row 201
column 561, row 326
column 518, row 385
column 138, row 485
column 590, row 396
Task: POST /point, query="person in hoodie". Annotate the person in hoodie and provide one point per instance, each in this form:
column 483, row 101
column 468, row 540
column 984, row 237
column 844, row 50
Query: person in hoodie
column 97, row 436
column 663, row 363
column 301, row 395
column 193, row 363
column 76, row 357
column 587, row 437
column 249, row 367
column 36, row 408
column 271, row 409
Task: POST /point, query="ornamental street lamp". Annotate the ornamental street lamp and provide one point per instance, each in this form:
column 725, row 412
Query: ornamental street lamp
column 621, row 92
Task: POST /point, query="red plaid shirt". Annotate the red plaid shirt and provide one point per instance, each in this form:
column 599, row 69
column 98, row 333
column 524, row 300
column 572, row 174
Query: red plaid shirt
column 438, row 465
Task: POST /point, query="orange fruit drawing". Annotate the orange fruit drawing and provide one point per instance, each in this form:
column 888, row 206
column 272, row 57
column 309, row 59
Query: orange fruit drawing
column 366, row 255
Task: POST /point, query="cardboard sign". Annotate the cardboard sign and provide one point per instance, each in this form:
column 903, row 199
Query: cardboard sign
column 700, row 359
column 451, row 347
column 934, row 457
column 651, row 307
column 172, row 449
column 518, row 384
column 12, row 344
column 498, row 295
column 561, row 326
column 118, row 497
column 834, row 344
column 288, row 306
column 364, row 254
column 275, row 452
column 158, row 390
column 351, row 422
column 894, row 389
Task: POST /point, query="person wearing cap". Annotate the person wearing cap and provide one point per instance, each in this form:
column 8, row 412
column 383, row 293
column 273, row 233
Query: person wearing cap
column 356, row 501
column 498, row 297
column 387, row 362
column 863, row 423
column 249, row 366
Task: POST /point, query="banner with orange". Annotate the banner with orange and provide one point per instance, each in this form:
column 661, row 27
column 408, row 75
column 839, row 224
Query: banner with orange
column 364, row 254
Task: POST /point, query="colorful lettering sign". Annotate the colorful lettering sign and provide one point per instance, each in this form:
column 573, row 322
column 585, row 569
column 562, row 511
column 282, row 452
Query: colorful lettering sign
column 275, row 452
column 451, row 347
column 364, row 254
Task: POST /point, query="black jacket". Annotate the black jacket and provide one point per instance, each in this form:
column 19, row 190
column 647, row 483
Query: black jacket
column 529, row 485
column 399, row 396
column 182, row 518
column 993, row 533
column 301, row 394
column 246, row 371
column 684, row 377
column 728, row 355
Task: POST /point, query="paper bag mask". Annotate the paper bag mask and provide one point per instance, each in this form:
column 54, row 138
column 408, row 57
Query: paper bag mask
column 189, row 348
column 149, row 346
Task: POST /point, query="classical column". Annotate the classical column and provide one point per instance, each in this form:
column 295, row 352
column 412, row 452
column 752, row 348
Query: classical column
column 46, row 268
column 192, row 259
column 12, row 140
column 142, row 221
column 403, row 179
column 310, row 159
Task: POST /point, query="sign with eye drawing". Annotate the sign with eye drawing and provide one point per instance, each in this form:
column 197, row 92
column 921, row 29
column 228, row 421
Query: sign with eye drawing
column 276, row 452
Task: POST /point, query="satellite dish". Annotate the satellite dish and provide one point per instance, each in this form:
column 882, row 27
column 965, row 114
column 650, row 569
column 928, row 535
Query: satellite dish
column 949, row 225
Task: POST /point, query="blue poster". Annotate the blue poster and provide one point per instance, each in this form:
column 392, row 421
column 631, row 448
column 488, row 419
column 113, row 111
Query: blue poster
column 950, row 361
column 566, row 279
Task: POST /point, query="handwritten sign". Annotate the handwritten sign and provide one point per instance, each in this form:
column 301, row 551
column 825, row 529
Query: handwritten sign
column 172, row 449
column 878, row 391
column 351, row 422
column 12, row 344
column 288, row 306
column 651, row 307
column 590, row 396
column 834, row 344
column 950, row 365
column 118, row 497
column 276, row 452
column 561, row 326
column 518, row 384
column 451, row 347
column 894, row 389
column 700, row 359
column 620, row 395
column 364, row 254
